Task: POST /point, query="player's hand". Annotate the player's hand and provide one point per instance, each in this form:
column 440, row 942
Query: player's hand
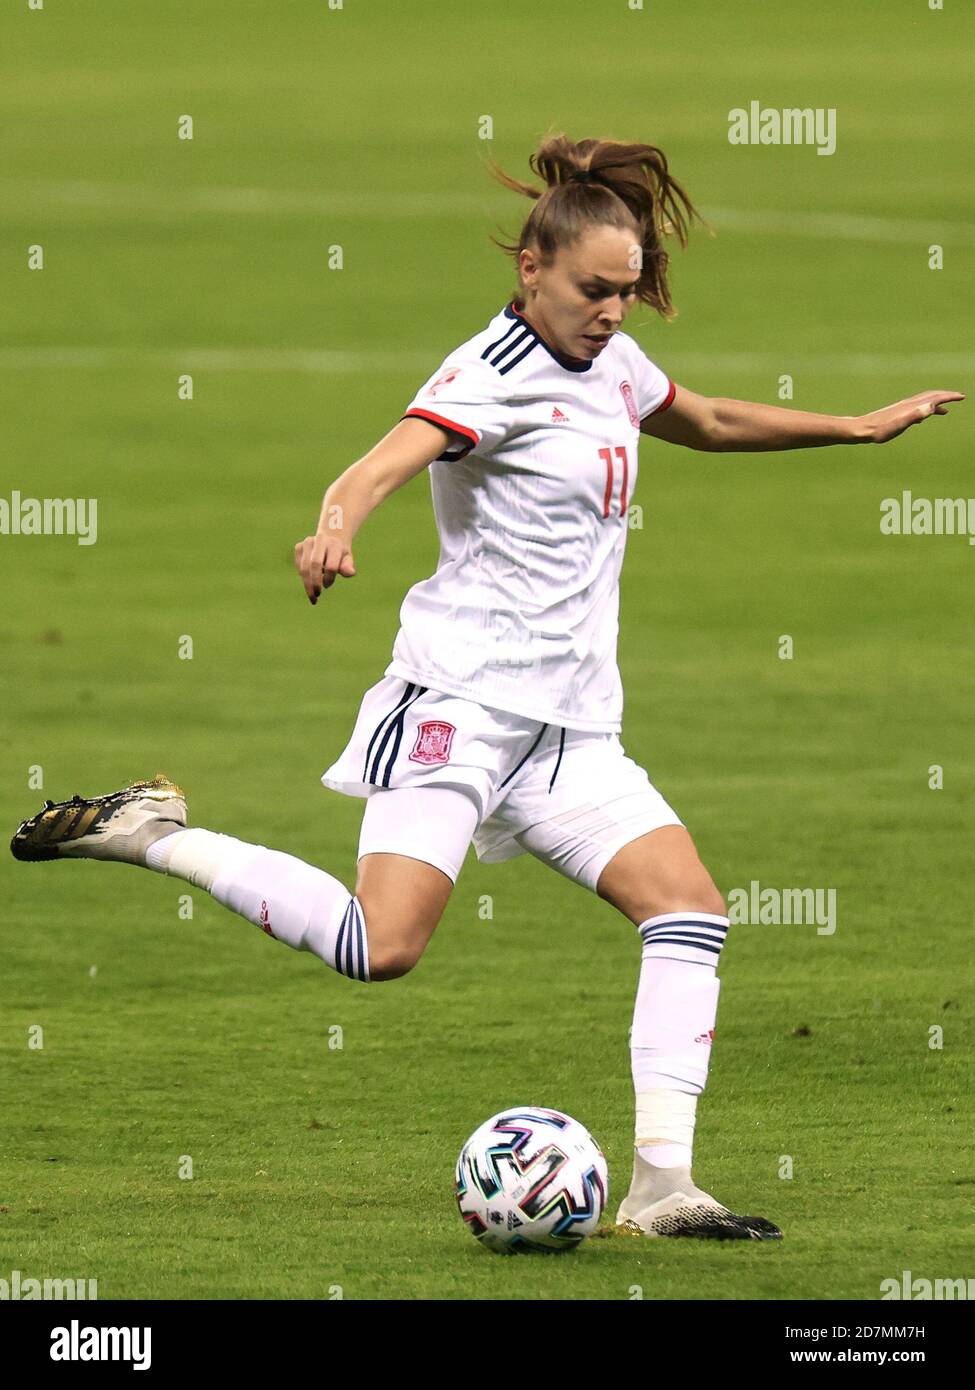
column 881, row 425
column 319, row 558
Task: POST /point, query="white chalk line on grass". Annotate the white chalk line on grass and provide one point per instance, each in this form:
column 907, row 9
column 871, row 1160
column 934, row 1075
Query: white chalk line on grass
column 326, row 362
column 322, row 362
column 837, row 226
column 825, row 363
column 167, row 203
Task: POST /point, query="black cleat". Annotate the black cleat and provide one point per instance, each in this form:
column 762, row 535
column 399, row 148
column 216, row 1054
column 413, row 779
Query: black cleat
column 690, row 1217
column 121, row 825
column 666, row 1202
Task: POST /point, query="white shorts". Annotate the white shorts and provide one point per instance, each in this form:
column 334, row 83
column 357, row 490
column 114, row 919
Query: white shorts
column 571, row 798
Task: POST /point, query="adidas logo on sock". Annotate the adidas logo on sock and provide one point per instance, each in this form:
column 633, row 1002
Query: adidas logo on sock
column 265, row 919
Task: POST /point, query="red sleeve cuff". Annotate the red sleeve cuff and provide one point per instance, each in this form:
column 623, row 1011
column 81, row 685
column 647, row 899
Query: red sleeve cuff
column 463, row 430
column 667, row 400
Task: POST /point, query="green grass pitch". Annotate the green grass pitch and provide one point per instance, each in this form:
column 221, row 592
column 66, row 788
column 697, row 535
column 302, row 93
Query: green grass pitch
column 317, row 1168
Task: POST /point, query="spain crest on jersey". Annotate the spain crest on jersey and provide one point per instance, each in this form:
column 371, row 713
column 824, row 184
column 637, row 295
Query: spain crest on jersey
column 433, row 739
column 630, row 400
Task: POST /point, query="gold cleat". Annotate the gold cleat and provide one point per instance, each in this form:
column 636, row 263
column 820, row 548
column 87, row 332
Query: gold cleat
column 121, row 825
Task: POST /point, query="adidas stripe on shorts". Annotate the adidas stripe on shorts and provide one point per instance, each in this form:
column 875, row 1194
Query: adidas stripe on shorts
column 571, row 798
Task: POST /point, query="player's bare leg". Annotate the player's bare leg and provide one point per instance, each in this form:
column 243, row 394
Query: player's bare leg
column 403, row 900
column 379, row 936
column 660, row 884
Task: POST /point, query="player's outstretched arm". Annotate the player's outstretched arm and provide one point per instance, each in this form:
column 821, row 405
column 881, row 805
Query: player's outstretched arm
column 409, row 447
column 718, row 425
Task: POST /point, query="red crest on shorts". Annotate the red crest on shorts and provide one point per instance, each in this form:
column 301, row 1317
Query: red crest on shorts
column 630, row 399
column 433, row 742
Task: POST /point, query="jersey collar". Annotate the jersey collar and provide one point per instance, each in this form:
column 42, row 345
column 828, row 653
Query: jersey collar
column 571, row 364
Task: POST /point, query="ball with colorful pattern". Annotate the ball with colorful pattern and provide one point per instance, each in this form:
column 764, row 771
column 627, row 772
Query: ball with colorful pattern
column 531, row 1179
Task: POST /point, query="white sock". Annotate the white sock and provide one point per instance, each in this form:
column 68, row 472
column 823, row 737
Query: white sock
column 665, row 1127
column 289, row 899
column 673, row 1027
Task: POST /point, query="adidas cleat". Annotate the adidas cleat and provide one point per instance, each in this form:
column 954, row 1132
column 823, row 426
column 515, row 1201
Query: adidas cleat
column 700, row 1216
column 120, row 826
column 665, row 1202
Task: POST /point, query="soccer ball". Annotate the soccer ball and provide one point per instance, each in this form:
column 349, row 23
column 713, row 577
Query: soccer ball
column 531, row 1179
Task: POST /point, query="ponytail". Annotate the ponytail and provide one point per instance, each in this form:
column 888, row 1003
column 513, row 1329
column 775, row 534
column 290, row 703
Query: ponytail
column 604, row 183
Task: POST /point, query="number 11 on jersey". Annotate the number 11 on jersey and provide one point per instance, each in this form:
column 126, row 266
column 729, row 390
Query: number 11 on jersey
column 607, row 455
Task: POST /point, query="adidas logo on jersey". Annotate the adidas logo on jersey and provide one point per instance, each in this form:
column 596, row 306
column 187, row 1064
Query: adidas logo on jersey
column 559, row 417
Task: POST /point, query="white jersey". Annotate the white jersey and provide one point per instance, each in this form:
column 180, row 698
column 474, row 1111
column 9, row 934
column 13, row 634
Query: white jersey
column 531, row 499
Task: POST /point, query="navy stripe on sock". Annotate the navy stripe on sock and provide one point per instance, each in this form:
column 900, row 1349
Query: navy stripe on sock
column 361, row 940
column 683, row 930
column 338, row 943
column 685, row 941
column 705, row 929
column 350, row 941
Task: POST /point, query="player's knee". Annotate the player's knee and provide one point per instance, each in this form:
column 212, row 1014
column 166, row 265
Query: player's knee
column 711, row 900
column 392, row 960
column 697, row 893
column 397, row 931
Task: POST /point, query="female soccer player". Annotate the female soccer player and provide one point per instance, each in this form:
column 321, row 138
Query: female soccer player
column 498, row 718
